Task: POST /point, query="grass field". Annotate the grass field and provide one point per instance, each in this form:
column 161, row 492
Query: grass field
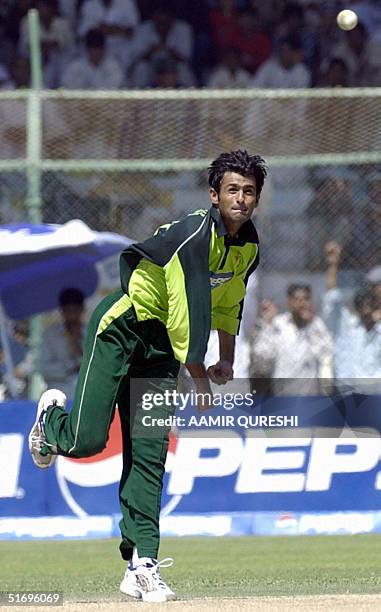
column 204, row 567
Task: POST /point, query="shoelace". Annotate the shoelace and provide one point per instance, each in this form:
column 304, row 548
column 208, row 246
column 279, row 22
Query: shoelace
column 36, row 442
column 37, row 439
column 167, row 562
column 153, row 573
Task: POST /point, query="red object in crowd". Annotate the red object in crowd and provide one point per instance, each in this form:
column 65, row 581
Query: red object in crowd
column 254, row 50
column 254, row 47
column 223, row 27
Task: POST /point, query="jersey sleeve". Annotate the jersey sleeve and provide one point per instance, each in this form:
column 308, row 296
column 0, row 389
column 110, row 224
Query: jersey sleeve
column 182, row 250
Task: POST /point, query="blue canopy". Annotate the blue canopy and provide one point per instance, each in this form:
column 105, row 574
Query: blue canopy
column 38, row 261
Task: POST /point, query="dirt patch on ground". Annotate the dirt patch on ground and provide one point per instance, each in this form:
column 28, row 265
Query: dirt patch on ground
column 311, row 603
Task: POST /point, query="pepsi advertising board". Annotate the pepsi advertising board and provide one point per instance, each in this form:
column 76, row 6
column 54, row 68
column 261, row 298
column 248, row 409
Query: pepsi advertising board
column 236, row 483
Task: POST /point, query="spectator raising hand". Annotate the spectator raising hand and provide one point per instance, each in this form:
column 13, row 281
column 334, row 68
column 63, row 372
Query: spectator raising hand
column 332, row 252
column 356, row 332
column 291, row 346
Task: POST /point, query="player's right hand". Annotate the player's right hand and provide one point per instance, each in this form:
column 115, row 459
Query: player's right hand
column 221, row 372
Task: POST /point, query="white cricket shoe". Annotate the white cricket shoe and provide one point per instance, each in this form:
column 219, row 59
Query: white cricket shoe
column 146, row 578
column 129, row 586
column 51, row 397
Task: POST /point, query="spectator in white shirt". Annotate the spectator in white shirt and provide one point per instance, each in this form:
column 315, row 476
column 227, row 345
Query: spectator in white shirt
column 55, row 31
column 335, row 74
column 374, row 279
column 229, row 73
column 95, row 69
column 63, row 342
column 166, row 75
column 356, row 332
column 293, row 349
column 286, row 69
column 68, row 9
column 117, row 19
column 355, row 50
column 161, row 38
column 57, row 40
column 294, row 18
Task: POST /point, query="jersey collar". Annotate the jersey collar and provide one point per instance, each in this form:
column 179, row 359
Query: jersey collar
column 246, row 233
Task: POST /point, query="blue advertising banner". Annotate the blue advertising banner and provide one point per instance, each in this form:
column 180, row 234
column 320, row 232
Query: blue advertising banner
column 236, row 483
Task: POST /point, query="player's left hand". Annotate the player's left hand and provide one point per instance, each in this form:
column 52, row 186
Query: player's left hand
column 221, row 372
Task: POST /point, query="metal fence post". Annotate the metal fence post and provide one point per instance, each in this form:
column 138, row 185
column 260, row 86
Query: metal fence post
column 34, row 153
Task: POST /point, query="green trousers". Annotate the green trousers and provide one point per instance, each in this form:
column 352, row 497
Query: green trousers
column 119, row 350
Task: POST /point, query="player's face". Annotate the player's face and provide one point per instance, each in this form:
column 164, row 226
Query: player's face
column 237, row 198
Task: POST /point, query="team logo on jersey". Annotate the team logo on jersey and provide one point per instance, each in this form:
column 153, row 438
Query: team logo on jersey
column 218, row 279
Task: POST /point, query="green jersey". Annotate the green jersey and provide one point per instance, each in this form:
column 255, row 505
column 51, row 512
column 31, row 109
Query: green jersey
column 191, row 275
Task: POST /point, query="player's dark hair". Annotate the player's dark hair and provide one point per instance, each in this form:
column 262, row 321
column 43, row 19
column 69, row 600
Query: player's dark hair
column 294, row 287
column 252, row 166
column 71, row 296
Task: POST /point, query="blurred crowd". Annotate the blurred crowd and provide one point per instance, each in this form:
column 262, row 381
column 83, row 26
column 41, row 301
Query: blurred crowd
column 101, row 44
column 301, row 351
column 60, row 355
